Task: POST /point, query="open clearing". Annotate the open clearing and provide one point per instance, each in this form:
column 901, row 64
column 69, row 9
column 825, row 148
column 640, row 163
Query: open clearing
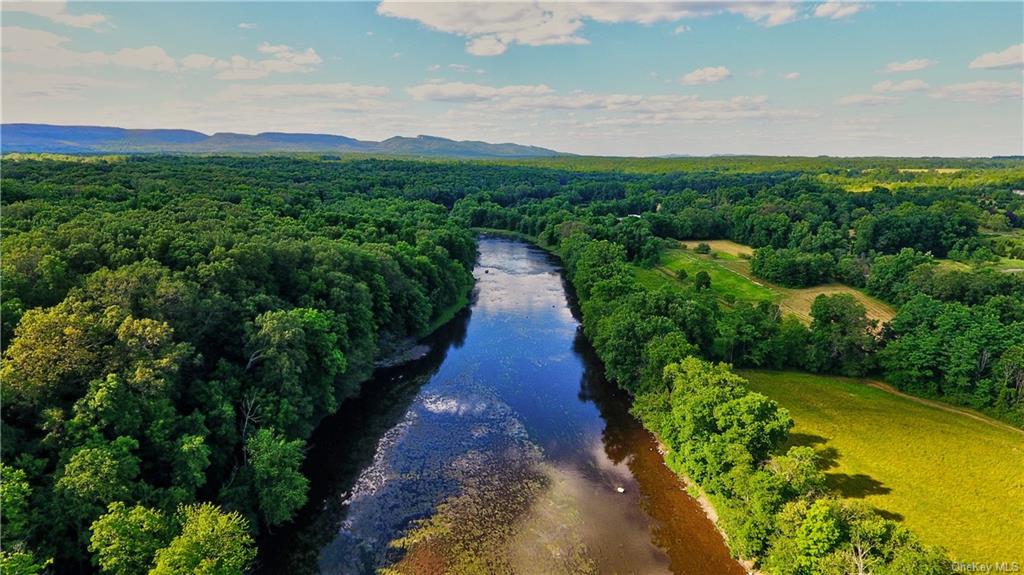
column 722, row 246
column 1009, row 265
column 729, row 268
column 952, row 475
column 728, row 284
column 799, row 301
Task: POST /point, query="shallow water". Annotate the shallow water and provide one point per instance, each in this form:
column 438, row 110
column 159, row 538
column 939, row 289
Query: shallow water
column 503, row 450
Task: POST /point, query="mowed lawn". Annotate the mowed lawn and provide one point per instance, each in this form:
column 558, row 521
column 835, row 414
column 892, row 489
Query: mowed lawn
column 954, row 477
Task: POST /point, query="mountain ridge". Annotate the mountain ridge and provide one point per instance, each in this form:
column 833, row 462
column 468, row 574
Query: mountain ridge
column 83, row 139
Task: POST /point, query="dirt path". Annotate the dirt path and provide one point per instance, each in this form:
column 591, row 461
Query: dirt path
column 944, row 407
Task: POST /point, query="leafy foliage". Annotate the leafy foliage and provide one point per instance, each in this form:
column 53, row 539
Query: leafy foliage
column 210, row 543
column 175, row 328
column 170, row 325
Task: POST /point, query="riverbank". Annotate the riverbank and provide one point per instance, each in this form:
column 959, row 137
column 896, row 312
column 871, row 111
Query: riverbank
column 509, row 438
column 447, row 313
column 412, row 348
column 686, row 485
column 651, row 341
column 517, row 236
column 697, row 494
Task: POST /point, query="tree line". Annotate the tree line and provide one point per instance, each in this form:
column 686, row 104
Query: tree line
column 807, row 232
column 173, row 332
column 174, row 328
column 773, row 504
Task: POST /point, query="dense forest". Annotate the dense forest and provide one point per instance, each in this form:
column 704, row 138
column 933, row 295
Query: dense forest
column 175, row 327
column 959, row 331
column 179, row 328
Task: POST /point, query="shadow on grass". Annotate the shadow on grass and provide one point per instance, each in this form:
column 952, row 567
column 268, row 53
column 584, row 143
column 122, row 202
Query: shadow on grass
column 828, row 456
column 806, row 439
column 889, row 514
column 855, row 486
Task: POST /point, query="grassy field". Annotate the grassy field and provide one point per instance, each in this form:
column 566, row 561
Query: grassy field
column 951, row 475
column 799, row 301
column 729, row 268
column 1009, row 265
column 726, row 247
column 947, row 264
column 725, row 282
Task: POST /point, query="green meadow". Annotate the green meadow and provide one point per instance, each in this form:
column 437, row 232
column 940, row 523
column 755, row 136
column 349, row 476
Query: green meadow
column 728, row 284
column 731, row 280
column 951, row 475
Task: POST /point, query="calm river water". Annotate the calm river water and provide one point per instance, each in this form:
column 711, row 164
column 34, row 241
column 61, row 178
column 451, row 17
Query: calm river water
column 504, row 450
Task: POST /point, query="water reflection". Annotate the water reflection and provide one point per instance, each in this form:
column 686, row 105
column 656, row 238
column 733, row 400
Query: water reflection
column 678, row 524
column 503, row 451
column 346, row 443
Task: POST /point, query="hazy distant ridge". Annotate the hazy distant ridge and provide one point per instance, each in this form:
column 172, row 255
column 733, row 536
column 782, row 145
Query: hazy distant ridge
column 97, row 139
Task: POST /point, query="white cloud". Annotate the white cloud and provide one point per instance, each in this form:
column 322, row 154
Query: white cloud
column 523, row 104
column 908, row 66
column 837, row 10
column 983, row 92
column 764, row 13
column 42, row 49
column 866, row 100
column 904, row 86
column 680, row 29
column 147, row 58
column 491, row 46
column 709, row 75
column 790, row 76
column 56, row 11
column 490, row 28
column 268, row 48
column 17, row 39
column 465, row 92
column 1012, row 57
column 248, row 25
column 283, row 59
column 396, row 55
column 433, row 68
column 39, row 87
column 335, row 91
column 197, row 62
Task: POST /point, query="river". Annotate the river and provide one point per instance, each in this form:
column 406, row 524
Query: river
column 503, row 450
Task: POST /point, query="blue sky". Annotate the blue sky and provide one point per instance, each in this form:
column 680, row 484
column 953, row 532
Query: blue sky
column 850, row 78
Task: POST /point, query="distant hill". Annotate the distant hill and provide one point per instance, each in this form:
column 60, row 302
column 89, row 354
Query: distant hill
column 33, row 138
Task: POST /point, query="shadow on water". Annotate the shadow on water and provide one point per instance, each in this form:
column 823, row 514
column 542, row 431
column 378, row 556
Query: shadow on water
column 518, row 388
column 344, row 444
column 679, row 524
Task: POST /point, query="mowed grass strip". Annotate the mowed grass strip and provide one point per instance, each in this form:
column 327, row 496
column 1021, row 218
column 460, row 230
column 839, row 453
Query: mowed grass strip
column 798, row 301
column 728, row 247
column 954, row 479
column 725, row 282
column 730, row 255
column 1009, row 265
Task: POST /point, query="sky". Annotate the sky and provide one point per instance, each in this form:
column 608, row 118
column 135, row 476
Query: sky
column 629, row 79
